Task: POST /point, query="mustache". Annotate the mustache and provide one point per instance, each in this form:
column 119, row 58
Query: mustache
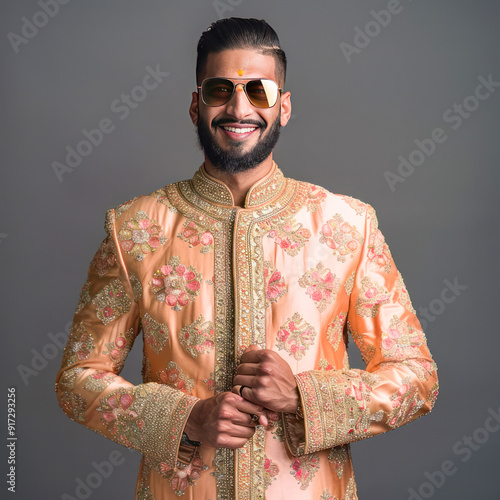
column 217, row 122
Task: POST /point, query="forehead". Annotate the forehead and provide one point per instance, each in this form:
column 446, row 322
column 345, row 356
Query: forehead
column 240, row 63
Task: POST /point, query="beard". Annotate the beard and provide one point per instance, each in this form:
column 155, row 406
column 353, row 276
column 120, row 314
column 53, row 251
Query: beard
column 234, row 160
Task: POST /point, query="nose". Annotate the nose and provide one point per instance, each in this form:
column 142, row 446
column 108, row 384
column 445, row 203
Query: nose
column 239, row 106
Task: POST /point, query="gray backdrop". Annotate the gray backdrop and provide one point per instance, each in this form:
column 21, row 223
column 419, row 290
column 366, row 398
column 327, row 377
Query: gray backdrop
column 366, row 89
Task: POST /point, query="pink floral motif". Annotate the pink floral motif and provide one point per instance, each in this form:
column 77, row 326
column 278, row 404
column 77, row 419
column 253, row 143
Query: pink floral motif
column 271, row 470
column 289, row 236
column 196, row 236
column 371, row 297
column 99, row 380
column 140, row 236
column 118, row 413
column 210, row 382
column 321, row 285
column 198, row 337
column 174, row 377
column 343, row 238
column 104, row 259
column 175, row 284
column 295, row 336
column 401, row 341
column 315, row 196
column 405, row 403
column 185, row 476
column 119, row 349
column 274, row 283
column 378, row 251
column 304, row 468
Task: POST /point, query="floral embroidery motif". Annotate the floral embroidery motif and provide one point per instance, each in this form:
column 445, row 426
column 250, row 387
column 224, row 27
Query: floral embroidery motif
column 105, row 258
column 341, row 237
column 321, row 285
column 338, row 456
column 304, row 468
column 195, row 235
column 175, row 377
column 210, row 382
column 80, row 345
column 405, row 404
column 136, row 286
column 68, row 378
column 290, row 236
column 378, row 251
column 198, row 337
column 140, row 236
column 274, row 283
column 433, row 394
column 403, row 295
column 324, row 365
column 118, row 413
column 371, row 297
column 119, row 349
column 315, row 196
column 182, row 478
column 358, row 206
column 99, row 380
column 155, row 333
column 84, row 296
column 73, row 405
column 295, row 336
column 275, row 426
column 271, row 470
column 401, row 341
column 111, row 302
column 335, row 330
column 175, row 284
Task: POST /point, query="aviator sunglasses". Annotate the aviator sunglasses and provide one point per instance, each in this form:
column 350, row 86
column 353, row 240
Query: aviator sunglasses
column 262, row 93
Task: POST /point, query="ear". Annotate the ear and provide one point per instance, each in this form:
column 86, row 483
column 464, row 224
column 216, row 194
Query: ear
column 193, row 108
column 286, row 108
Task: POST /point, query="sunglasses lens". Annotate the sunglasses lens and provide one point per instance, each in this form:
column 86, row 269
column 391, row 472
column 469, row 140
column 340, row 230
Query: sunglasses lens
column 262, row 93
column 217, row 91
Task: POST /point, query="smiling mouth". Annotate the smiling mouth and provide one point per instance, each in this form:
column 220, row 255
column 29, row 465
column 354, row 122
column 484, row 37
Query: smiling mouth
column 239, row 130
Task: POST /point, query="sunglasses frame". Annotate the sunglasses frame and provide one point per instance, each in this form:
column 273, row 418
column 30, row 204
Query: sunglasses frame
column 244, row 84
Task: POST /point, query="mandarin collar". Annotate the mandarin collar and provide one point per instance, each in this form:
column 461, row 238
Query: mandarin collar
column 215, row 191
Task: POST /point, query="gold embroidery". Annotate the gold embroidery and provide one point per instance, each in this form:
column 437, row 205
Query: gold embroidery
column 335, row 330
column 198, row 337
column 371, row 296
column 155, row 333
column 111, row 302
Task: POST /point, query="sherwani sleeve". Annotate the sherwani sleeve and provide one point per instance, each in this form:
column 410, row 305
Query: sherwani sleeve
column 149, row 417
column 399, row 383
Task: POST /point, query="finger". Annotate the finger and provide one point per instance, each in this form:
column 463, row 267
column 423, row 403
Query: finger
column 253, row 347
column 247, row 368
column 245, row 381
column 263, row 420
column 237, row 390
column 245, row 406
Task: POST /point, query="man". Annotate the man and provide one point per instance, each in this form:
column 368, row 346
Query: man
column 245, row 284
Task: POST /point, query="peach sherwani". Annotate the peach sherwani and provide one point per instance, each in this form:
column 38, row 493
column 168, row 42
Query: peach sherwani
column 297, row 270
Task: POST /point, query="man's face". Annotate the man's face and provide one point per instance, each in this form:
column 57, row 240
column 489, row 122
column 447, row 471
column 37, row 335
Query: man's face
column 238, row 136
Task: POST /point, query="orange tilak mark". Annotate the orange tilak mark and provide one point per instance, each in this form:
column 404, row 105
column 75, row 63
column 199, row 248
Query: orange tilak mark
column 240, row 72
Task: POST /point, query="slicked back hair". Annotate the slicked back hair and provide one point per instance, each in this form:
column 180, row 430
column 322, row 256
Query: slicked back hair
column 240, row 33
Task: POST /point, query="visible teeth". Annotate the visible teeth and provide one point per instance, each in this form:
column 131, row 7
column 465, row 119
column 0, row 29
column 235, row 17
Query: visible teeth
column 239, row 130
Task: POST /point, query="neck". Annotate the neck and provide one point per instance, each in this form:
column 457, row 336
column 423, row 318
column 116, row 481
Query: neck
column 240, row 183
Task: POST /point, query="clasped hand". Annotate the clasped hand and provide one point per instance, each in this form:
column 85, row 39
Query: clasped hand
column 227, row 419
